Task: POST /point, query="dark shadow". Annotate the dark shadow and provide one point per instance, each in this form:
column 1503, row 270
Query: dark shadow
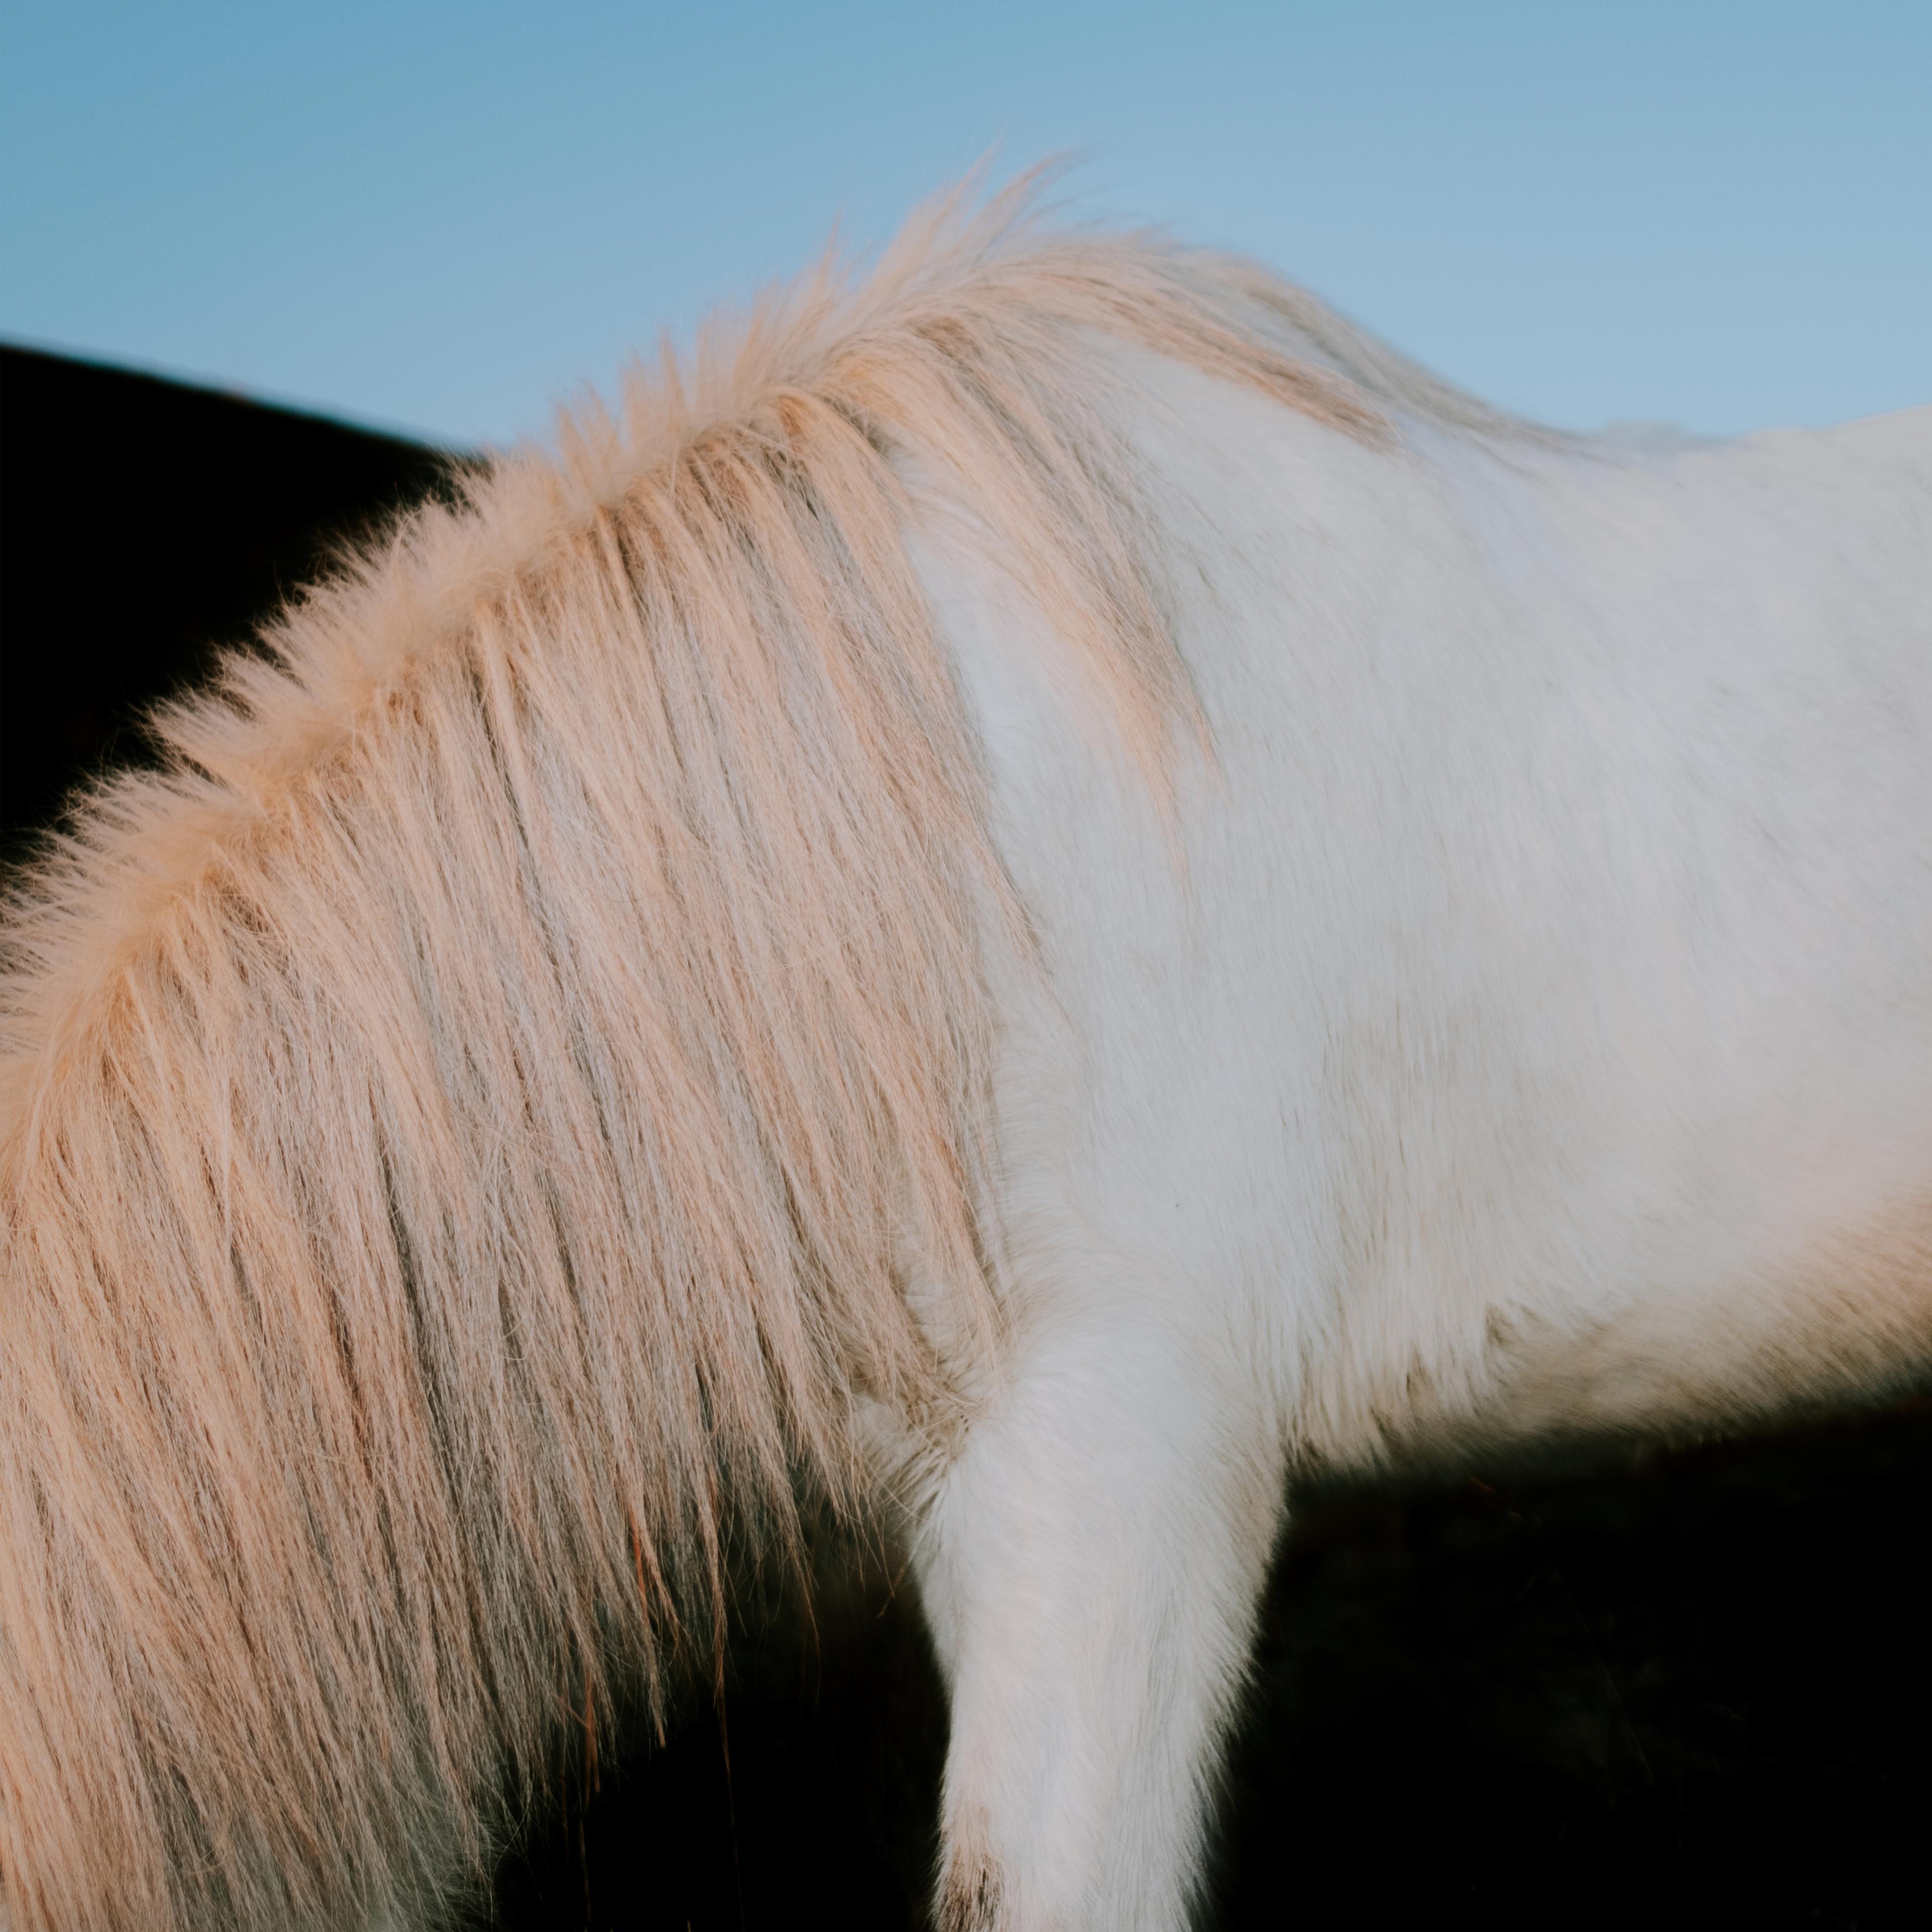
column 143, row 523
column 1691, row 1689
column 807, row 1797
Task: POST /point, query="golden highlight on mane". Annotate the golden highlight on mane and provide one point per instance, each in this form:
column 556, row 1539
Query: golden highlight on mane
column 463, row 1124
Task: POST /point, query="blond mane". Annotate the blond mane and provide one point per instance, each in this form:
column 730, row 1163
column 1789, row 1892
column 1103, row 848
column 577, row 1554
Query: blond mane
column 462, row 1124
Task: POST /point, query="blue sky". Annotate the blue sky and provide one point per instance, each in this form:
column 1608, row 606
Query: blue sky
column 445, row 217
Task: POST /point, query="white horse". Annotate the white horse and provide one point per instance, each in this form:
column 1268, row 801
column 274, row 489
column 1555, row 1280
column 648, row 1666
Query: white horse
column 1056, row 887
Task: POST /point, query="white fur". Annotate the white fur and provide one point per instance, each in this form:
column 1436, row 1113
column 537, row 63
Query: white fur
column 1530, row 1027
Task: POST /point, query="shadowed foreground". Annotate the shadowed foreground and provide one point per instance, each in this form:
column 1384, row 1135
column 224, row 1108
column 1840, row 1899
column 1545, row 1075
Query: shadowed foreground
column 1688, row 1689
column 1691, row 1689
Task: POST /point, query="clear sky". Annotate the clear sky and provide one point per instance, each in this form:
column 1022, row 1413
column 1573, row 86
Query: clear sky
column 444, row 216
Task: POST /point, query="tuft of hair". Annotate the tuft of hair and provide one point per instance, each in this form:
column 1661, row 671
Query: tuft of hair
column 463, row 1125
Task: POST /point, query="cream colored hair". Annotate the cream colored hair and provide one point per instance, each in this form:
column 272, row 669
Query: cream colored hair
column 459, row 1122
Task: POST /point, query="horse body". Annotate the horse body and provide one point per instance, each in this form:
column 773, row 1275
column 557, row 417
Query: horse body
column 1531, row 1034
column 1416, row 932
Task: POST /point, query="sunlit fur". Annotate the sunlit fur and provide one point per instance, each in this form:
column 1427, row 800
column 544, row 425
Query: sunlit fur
column 1047, row 889
column 465, row 1122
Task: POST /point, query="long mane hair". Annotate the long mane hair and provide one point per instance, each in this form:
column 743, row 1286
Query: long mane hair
column 464, row 1123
